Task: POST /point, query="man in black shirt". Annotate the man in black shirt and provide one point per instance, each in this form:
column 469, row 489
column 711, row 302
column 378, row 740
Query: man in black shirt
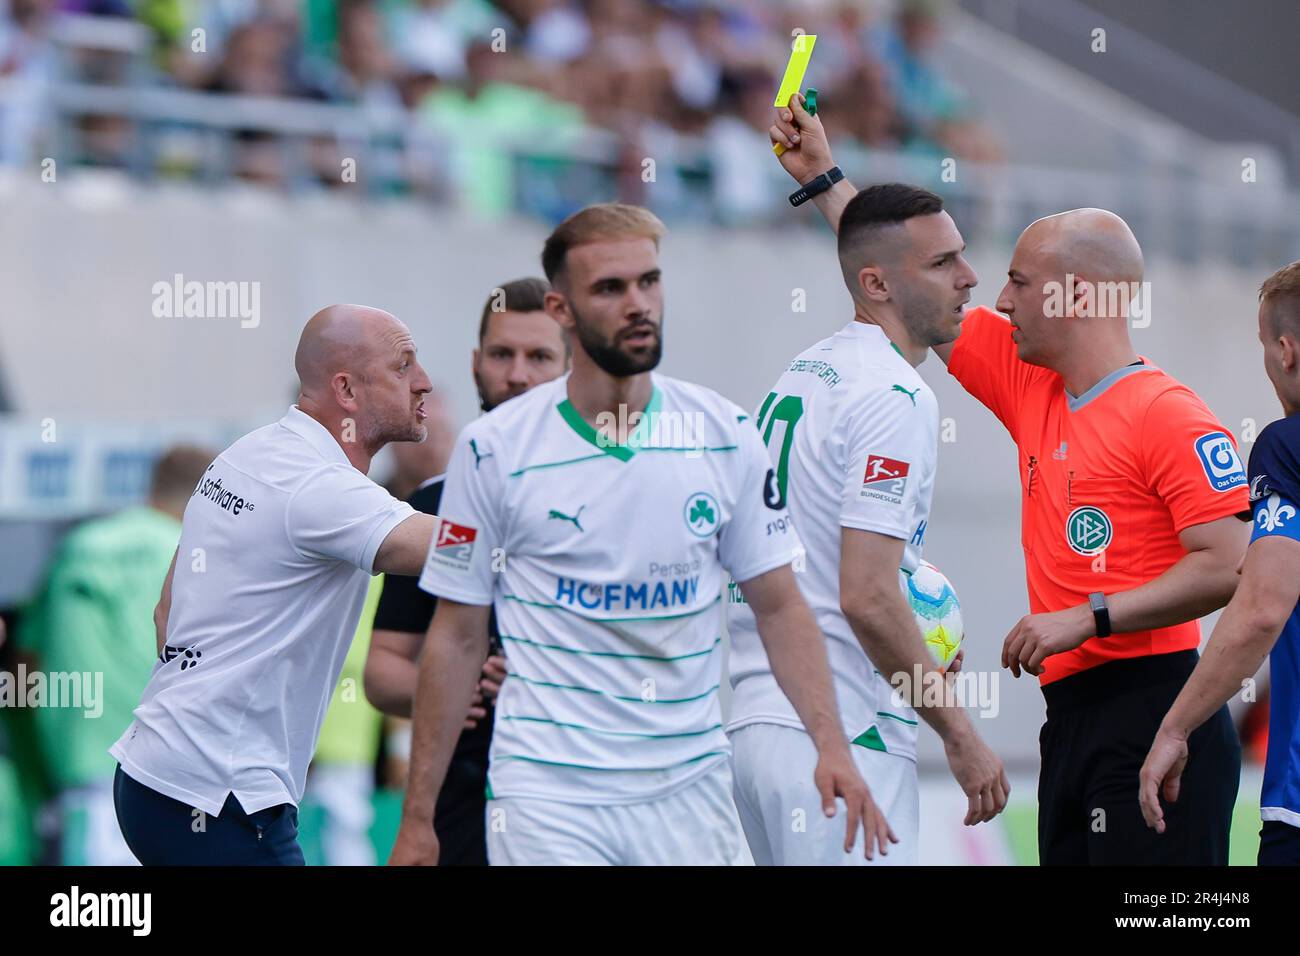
column 519, row 346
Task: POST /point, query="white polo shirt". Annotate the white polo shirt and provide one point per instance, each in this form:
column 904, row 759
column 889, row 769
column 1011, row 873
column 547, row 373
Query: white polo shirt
column 277, row 546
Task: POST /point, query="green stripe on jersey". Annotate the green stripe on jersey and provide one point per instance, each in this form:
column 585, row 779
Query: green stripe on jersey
column 604, row 455
column 691, row 448
column 557, row 464
column 583, row 766
column 612, row 733
column 605, row 693
column 901, row 720
column 611, row 620
column 638, row 657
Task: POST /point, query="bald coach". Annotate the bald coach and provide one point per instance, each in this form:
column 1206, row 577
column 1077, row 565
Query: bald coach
column 264, row 594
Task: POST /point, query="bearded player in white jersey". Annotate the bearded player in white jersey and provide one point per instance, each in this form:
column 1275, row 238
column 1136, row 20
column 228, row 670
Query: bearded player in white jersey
column 853, row 432
column 596, row 514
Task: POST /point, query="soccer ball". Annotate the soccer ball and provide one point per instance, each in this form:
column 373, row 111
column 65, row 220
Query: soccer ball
column 937, row 611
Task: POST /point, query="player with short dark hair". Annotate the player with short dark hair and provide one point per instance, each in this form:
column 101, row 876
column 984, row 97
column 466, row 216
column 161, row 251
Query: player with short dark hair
column 853, row 432
column 1130, row 488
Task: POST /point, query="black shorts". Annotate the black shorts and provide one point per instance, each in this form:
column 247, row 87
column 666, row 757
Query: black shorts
column 459, row 818
column 1100, row 725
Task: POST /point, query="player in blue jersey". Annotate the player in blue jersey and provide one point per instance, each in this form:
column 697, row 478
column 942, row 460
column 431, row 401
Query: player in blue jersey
column 1264, row 615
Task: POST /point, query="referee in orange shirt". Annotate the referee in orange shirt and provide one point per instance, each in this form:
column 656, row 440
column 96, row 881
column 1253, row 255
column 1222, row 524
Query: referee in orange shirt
column 1129, row 492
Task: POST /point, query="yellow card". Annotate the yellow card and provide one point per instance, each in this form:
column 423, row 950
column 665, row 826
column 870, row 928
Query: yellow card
column 796, row 68
column 800, row 54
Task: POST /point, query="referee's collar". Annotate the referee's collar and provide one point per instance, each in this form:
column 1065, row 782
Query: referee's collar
column 314, row 434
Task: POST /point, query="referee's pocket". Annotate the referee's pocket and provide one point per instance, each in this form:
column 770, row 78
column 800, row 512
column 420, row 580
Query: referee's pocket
column 1099, row 525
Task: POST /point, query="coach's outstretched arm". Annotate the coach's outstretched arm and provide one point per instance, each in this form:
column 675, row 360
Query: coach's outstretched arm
column 454, row 652
column 1247, row 631
column 876, row 610
column 406, row 546
column 797, row 652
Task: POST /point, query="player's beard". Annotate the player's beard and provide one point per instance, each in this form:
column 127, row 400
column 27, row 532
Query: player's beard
column 609, row 356
column 926, row 321
column 485, row 401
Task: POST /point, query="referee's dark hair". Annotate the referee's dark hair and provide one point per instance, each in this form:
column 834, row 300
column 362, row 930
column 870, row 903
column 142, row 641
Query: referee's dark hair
column 1280, row 297
column 521, row 295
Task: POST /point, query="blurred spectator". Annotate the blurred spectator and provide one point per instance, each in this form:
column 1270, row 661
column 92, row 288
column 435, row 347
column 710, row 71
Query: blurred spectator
column 502, row 92
column 94, row 615
column 433, row 34
column 26, row 68
column 257, row 61
column 367, row 74
column 550, row 31
column 481, row 123
column 934, row 114
column 745, row 188
column 860, row 116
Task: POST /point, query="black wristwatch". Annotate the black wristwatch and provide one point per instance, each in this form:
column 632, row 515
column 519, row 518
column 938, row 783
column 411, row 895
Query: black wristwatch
column 1100, row 613
column 815, row 187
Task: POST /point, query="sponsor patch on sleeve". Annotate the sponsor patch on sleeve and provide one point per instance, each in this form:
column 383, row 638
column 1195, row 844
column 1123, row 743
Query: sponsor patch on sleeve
column 454, row 545
column 885, row 479
column 1219, row 459
column 1276, row 515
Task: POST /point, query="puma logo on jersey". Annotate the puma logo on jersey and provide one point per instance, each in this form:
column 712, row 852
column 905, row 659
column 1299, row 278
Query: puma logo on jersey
column 911, row 394
column 478, row 456
column 561, row 516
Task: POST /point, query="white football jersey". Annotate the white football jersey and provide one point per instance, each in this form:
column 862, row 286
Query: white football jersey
column 277, row 547
column 605, row 565
column 853, row 433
